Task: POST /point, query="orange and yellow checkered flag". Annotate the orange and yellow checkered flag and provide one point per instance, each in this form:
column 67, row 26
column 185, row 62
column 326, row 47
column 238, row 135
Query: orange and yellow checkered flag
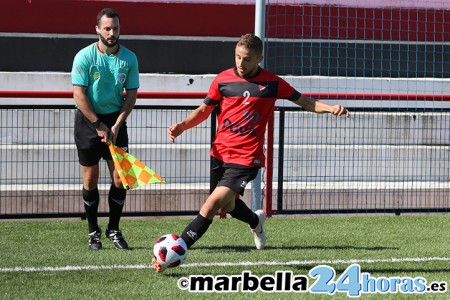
column 133, row 173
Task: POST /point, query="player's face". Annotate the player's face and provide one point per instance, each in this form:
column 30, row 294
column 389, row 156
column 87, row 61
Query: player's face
column 246, row 61
column 109, row 31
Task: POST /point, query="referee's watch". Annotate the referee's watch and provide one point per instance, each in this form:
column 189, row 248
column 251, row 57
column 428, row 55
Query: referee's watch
column 96, row 123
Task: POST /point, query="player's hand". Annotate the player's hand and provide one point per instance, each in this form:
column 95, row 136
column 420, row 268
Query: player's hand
column 174, row 131
column 339, row 110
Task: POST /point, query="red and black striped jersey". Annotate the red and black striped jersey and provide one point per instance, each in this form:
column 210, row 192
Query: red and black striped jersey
column 245, row 105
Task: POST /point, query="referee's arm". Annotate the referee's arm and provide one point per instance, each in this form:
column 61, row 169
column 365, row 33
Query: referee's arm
column 83, row 103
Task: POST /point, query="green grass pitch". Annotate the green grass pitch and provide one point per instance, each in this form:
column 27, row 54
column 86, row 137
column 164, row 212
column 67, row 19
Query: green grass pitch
column 66, row 269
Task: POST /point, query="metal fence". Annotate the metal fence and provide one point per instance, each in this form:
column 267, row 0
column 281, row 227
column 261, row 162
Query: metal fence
column 41, row 175
column 375, row 161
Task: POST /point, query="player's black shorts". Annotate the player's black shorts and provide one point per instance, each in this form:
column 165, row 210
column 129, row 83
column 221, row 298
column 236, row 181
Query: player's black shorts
column 233, row 176
column 89, row 145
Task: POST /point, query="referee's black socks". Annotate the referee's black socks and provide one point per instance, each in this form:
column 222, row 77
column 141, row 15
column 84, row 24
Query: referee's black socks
column 91, row 200
column 116, row 201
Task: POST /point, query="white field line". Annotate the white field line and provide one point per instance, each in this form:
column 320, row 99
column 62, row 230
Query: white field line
column 229, row 264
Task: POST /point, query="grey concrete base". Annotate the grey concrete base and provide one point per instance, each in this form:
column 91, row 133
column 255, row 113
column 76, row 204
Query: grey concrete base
column 161, row 200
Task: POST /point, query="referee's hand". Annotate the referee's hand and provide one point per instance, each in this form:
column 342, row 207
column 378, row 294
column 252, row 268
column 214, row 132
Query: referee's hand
column 104, row 133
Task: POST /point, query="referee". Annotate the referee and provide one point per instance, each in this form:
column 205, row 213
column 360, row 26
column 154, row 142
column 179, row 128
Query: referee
column 101, row 73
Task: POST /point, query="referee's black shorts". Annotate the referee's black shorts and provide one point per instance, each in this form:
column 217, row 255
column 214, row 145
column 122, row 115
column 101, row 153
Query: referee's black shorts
column 233, row 176
column 89, row 145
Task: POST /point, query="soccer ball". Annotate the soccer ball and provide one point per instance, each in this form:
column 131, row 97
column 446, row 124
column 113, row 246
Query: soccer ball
column 169, row 251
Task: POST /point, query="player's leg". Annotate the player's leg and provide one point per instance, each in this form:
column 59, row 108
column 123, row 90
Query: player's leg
column 195, row 230
column 221, row 197
column 237, row 177
column 255, row 220
column 259, row 234
column 201, row 223
column 242, row 212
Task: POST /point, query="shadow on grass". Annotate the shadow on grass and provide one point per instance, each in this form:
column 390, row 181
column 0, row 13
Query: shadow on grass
column 290, row 248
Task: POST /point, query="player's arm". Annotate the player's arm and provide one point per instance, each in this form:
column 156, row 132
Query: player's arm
column 319, row 107
column 84, row 105
column 196, row 117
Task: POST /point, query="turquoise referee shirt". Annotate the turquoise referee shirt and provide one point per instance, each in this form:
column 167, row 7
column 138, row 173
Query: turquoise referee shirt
column 105, row 76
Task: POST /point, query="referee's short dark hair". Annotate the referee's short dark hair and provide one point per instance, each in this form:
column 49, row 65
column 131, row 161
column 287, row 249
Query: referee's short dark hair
column 251, row 41
column 109, row 12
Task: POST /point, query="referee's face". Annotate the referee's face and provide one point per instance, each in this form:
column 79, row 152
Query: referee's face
column 109, row 31
column 246, row 61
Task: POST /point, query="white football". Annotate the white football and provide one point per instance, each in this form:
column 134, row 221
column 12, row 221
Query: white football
column 169, row 251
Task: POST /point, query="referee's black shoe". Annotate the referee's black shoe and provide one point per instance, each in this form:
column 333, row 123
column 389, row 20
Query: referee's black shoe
column 95, row 242
column 117, row 237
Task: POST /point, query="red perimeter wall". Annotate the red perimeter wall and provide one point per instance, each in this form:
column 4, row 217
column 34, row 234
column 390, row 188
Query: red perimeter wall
column 71, row 16
column 228, row 20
